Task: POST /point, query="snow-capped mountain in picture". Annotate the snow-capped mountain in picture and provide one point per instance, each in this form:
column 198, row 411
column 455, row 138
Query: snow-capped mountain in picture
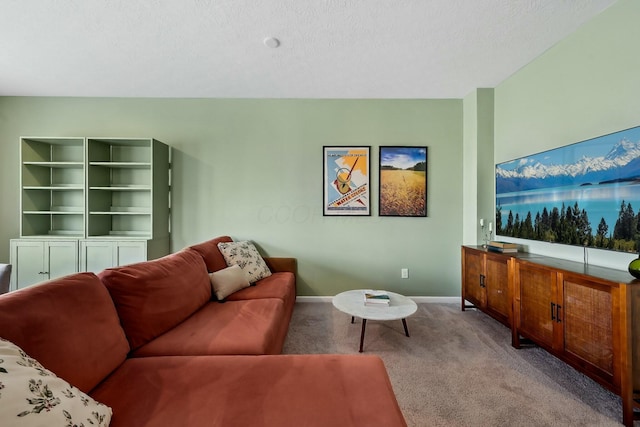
column 544, row 170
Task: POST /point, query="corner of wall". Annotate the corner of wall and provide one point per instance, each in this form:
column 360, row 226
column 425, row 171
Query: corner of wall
column 478, row 161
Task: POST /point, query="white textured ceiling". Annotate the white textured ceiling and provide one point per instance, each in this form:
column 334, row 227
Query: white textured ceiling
column 329, row 48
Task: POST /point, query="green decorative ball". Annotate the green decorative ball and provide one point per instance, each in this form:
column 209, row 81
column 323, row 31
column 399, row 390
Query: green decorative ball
column 634, row 268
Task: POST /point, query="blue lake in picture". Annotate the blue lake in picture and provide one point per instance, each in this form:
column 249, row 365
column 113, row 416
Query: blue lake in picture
column 599, row 201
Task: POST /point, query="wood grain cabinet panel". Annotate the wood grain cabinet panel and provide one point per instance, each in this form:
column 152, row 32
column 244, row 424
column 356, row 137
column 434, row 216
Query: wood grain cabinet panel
column 472, row 273
column 497, row 287
column 535, row 296
column 588, row 317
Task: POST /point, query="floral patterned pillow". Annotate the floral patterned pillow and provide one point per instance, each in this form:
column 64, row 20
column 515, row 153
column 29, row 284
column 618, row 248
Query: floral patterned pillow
column 247, row 257
column 33, row 396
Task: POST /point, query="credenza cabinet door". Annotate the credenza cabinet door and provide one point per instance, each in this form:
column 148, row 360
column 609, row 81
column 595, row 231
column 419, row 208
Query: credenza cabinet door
column 536, row 309
column 590, row 329
column 498, row 299
column 472, row 278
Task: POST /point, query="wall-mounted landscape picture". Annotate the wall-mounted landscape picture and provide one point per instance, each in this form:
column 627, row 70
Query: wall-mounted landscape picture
column 585, row 194
column 403, row 181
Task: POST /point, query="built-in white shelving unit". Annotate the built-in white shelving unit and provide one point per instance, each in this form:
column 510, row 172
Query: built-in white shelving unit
column 52, row 183
column 107, row 197
column 124, row 184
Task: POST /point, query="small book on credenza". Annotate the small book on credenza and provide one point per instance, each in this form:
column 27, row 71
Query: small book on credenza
column 504, row 247
column 502, row 250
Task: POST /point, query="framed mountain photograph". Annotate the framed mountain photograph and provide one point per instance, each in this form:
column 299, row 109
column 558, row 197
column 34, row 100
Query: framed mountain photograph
column 586, row 194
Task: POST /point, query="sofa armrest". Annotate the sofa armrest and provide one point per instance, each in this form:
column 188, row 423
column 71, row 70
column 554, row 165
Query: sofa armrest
column 280, row 264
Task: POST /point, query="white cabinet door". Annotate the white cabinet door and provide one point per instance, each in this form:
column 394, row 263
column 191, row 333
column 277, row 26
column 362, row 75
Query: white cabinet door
column 131, row 251
column 35, row 261
column 96, row 255
column 61, row 257
column 27, row 257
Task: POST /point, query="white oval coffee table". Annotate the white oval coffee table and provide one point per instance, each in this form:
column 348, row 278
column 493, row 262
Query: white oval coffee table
column 352, row 303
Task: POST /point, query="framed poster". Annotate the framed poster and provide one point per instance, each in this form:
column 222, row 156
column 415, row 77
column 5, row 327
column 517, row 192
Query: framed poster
column 403, row 181
column 346, row 180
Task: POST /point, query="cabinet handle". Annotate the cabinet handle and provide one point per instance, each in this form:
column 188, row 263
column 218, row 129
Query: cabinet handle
column 558, row 314
column 43, row 272
column 553, row 311
column 482, row 277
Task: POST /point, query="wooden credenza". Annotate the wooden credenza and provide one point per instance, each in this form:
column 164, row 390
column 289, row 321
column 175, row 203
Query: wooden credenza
column 585, row 315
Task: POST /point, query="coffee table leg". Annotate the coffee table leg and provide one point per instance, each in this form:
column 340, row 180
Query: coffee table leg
column 364, row 324
column 406, row 330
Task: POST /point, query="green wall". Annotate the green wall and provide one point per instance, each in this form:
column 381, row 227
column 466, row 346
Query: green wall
column 252, row 169
column 586, row 86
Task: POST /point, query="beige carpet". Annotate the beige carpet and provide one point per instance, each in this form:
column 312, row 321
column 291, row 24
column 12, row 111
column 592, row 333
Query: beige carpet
column 459, row 369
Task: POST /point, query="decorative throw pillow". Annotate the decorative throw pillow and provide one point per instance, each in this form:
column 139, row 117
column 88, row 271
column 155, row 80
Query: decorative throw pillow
column 247, row 257
column 33, row 396
column 228, row 280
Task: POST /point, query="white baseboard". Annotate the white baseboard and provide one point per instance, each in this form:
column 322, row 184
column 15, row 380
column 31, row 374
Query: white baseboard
column 441, row 300
column 313, row 299
column 419, row 300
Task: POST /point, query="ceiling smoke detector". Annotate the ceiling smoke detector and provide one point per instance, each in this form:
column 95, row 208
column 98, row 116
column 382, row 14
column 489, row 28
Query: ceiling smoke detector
column 271, row 42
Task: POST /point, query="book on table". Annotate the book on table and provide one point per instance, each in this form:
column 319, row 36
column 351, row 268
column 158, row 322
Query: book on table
column 503, row 250
column 503, row 245
column 372, row 297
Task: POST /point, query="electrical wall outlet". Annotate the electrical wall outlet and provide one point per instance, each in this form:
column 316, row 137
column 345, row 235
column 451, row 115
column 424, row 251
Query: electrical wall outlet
column 404, row 273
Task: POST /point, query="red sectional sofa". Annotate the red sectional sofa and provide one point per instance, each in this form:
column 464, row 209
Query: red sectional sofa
column 149, row 341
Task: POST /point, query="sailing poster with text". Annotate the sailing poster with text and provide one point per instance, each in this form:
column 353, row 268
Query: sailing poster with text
column 346, row 181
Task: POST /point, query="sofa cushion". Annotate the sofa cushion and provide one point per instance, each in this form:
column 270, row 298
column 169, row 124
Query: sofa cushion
column 246, row 256
column 31, row 395
column 70, row 325
column 233, row 327
column 211, row 254
column 278, row 285
column 228, row 280
column 154, row 296
column 284, row 390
